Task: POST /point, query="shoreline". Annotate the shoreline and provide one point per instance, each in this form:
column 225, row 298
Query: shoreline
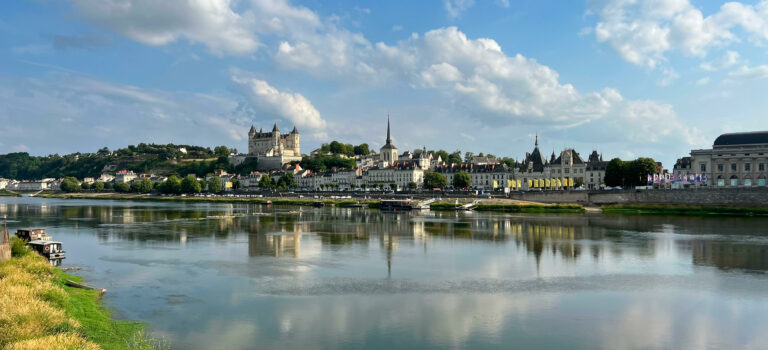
column 40, row 309
column 446, row 204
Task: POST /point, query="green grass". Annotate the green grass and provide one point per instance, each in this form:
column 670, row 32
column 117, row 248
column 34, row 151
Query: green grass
column 683, row 209
column 94, row 321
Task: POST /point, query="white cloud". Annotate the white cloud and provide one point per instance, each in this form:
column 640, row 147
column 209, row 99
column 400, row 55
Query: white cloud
column 397, row 28
column 643, row 32
column 502, row 3
column 746, row 72
column 454, row 8
column 729, row 59
column 293, row 107
column 211, row 22
column 668, row 77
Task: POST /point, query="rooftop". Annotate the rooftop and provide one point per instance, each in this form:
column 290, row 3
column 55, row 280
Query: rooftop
column 742, row 138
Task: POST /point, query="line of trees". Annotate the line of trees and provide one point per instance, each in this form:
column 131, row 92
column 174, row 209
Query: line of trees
column 629, row 173
column 336, row 147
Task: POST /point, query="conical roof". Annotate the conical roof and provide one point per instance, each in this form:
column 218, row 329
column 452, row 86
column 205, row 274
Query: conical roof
column 275, row 128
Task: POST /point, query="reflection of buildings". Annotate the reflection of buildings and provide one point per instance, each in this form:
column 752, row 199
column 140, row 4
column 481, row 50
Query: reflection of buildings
column 725, row 255
column 276, row 245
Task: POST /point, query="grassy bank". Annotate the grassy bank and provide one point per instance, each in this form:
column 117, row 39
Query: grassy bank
column 516, row 208
column 6, row 193
column 40, row 312
column 682, row 209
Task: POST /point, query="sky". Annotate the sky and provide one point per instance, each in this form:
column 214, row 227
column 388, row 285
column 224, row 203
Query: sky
column 628, row 78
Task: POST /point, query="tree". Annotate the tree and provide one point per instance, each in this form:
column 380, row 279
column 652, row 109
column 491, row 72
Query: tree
column 214, row 185
column 468, row 157
column 362, row 149
column 122, row 187
column 141, row 186
column 453, row 158
column 85, row 186
column 614, row 172
column 190, row 185
column 109, row 185
column 203, row 185
column 70, row 184
column 337, row 147
column 412, row 185
column 461, row 180
column 172, row 185
column 434, row 180
column 636, row 172
column 98, row 186
column 286, row 181
column 221, row 151
column 266, row 182
column 393, row 186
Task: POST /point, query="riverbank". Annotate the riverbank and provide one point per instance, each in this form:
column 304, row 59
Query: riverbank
column 40, row 312
column 684, row 209
column 495, row 204
column 500, row 206
column 6, row 193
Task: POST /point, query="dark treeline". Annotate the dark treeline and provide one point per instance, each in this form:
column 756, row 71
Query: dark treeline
column 141, row 158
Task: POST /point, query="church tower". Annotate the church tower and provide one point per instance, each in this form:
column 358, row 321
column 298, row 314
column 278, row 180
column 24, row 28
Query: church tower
column 388, row 152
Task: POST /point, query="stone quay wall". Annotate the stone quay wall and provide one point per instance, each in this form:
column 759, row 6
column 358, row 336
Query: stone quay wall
column 752, row 196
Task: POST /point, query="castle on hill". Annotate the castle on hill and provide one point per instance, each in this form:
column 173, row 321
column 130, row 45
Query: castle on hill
column 273, row 149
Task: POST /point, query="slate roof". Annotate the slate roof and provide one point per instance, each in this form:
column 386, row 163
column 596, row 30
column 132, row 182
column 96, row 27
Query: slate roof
column 742, row 138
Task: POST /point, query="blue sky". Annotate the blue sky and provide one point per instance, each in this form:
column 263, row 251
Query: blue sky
column 626, row 77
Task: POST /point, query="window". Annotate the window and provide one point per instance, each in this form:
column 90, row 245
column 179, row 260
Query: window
column 747, row 167
column 719, row 167
column 721, row 182
column 567, row 171
column 761, row 182
column 703, row 167
column 747, row 182
column 733, row 166
column 761, row 167
column 734, row 181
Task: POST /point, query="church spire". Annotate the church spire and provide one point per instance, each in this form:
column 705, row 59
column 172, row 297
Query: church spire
column 537, row 140
column 275, row 128
column 389, row 139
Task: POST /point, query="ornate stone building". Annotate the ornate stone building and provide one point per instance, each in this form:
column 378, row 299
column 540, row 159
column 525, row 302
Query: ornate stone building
column 273, row 149
column 735, row 160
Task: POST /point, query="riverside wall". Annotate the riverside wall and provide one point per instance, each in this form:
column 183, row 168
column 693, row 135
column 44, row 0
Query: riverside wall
column 755, row 196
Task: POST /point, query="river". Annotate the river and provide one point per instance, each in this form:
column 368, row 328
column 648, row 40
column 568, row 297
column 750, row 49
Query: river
column 237, row 276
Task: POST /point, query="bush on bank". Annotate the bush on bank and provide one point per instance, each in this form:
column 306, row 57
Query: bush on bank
column 40, row 312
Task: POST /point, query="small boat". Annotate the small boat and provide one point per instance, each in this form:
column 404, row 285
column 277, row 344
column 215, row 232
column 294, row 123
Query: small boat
column 42, row 243
column 47, row 248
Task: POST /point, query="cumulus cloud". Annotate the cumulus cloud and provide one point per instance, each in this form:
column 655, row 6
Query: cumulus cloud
column 729, row 59
column 290, row 106
column 643, row 32
column 211, row 22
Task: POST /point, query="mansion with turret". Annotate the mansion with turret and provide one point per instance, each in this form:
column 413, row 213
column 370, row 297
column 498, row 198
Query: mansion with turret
column 274, row 149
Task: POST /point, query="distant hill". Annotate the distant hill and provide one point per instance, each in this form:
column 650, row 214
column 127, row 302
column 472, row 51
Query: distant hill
column 143, row 158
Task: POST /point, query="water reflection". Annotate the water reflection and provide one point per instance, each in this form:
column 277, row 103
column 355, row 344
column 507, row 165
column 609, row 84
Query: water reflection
column 252, row 276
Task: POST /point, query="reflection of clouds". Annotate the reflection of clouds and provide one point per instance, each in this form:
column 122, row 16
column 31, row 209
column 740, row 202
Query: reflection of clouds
column 223, row 334
column 437, row 319
column 686, row 321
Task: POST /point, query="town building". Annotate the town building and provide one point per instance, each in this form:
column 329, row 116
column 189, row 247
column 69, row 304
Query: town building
column 735, row 160
column 273, row 149
column 388, row 152
column 125, row 176
column 595, row 171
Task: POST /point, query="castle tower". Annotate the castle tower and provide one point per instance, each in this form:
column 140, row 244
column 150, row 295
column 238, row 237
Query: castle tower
column 295, row 142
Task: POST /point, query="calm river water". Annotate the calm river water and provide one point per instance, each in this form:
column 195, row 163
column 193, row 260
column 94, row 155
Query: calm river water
column 231, row 276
